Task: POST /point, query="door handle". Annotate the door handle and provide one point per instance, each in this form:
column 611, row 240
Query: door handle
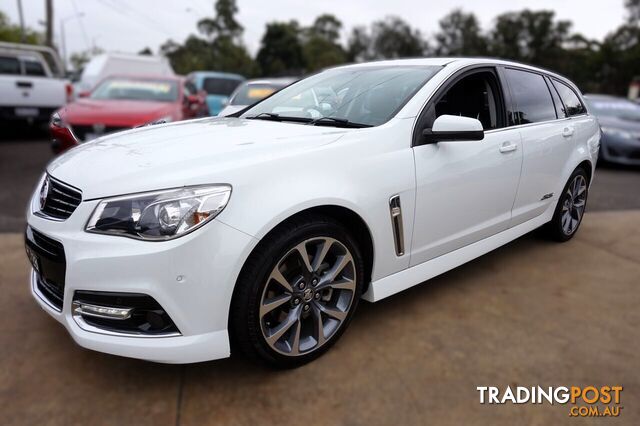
column 508, row 147
column 567, row 132
column 24, row 84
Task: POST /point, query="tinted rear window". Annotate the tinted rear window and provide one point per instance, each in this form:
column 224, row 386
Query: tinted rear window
column 33, row 68
column 9, row 65
column 219, row 86
column 532, row 98
column 572, row 104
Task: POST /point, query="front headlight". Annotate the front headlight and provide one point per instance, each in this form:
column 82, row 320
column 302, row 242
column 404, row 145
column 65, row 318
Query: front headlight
column 159, row 215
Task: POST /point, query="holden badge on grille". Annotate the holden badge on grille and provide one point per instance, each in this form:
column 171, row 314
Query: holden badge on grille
column 44, row 192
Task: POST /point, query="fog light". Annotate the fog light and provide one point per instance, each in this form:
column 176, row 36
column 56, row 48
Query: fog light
column 106, row 312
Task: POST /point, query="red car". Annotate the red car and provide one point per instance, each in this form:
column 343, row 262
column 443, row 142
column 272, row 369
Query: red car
column 124, row 102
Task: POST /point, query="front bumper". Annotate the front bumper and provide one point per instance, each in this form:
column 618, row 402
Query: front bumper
column 191, row 277
column 620, row 151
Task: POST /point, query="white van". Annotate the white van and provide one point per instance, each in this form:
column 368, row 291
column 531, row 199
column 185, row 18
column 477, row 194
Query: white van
column 107, row 64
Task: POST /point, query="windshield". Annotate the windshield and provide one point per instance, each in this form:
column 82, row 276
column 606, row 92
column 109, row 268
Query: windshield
column 615, row 108
column 368, row 96
column 220, row 86
column 137, row 90
column 249, row 94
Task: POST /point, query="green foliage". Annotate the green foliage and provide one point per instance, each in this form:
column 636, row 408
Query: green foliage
column 11, row 32
column 281, row 51
column 460, row 34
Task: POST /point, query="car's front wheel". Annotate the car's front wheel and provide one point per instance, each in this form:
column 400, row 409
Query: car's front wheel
column 297, row 292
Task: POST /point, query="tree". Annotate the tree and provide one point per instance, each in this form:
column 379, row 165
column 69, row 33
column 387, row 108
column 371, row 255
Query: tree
column 146, row 51
column 220, row 50
column 460, row 35
column 530, row 36
column 11, row 32
column 633, row 8
column 79, row 59
column 393, row 37
column 281, row 50
column 359, row 45
column 320, row 43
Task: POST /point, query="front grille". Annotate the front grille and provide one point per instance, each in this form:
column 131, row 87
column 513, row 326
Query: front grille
column 49, row 262
column 61, row 199
column 86, row 133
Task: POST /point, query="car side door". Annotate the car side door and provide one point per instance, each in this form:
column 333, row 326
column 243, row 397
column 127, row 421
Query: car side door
column 465, row 190
column 547, row 141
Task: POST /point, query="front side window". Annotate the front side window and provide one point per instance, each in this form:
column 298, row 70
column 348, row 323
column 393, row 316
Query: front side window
column 531, row 96
column 220, row 86
column 475, row 96
column 365, row 95
column 572, row 104
column 9, row 65
column 137, row 90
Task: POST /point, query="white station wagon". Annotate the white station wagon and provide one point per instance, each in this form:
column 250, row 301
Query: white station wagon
column 260, row 232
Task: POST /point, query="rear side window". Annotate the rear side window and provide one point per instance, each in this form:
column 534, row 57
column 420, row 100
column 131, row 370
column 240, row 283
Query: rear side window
column 572, row 104
column 531, row 96
column 9, row 65
column 34, row 68
column 220, row 86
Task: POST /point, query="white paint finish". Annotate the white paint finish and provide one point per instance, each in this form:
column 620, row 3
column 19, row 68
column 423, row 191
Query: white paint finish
column 461, row 193
column 465, row 191
column 454, row 123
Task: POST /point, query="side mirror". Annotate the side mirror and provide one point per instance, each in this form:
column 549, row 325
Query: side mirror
column 452, row 128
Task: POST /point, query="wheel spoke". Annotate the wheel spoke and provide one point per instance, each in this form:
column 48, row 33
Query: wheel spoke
column 321, row 253
column 277, row 276
column 579, row 204
column 319, row 325
column 271, row 304
column 339, row 266
column 342, row 284
column 295, row 345
column 334, row 313
column 304, row 255
column 566, row 218
column 283, row 327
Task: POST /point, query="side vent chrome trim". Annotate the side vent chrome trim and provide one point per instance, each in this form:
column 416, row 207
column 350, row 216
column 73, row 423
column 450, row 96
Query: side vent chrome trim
column 396, row 224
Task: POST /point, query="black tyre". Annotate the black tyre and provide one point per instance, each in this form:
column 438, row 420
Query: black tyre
column 570, row 209
column 297, row 292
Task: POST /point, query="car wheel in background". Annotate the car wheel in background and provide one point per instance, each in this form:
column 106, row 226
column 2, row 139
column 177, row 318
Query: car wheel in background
column 571, row 207
column 297, row 292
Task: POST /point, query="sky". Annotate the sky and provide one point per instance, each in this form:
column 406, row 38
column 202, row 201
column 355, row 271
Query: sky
column 131, row 25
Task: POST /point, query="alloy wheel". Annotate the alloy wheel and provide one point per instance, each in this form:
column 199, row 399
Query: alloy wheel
column 574, row 204
column 307, row 296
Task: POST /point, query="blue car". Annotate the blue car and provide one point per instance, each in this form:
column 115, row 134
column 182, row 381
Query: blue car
column 218, row 85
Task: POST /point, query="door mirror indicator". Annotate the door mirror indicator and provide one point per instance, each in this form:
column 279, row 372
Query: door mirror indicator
column 453, row 128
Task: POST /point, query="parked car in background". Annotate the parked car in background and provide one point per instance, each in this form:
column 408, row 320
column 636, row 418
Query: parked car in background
column 218, row 86
column 252, row 91
column 123, row 102
column 620, row 123
column 261, row 232
column 104, row 65
column 32, row 83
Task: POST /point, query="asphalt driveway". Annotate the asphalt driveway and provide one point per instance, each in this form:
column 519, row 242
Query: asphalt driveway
column 530, row 313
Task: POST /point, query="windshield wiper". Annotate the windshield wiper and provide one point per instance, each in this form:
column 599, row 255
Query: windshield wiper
column 277, row 117
column 337, row 122
column 265, row 116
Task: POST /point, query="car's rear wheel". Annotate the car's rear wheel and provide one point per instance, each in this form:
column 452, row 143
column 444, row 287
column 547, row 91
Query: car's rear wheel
column 297, row 292
column 571, row 207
